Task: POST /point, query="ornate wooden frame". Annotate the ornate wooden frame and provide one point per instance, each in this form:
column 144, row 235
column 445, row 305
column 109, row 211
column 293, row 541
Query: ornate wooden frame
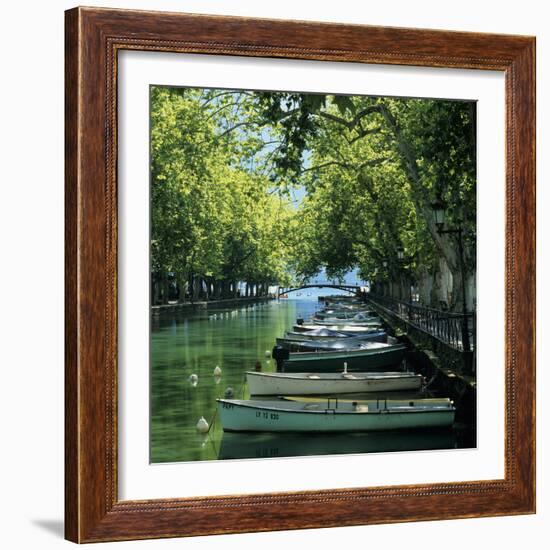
column 92, row 509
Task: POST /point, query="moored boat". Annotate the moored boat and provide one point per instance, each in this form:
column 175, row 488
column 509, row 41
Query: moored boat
column 329, row 416
column 372, row 356
column 260, row 383
column 362, row 322
column 343, row 313
column 351, row 342
column 344, row 328
column 320, row 333
column 397, row 402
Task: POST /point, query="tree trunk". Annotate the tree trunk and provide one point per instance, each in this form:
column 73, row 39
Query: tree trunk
column 445, row 243
column 182, row 288
column 425, row 285
column 165, row 288
column 471, row 297
column 196, row 288
column 156, row 290
column 458, row 291
column 442, row 290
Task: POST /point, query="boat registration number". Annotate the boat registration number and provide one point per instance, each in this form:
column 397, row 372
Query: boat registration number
column 266, row 415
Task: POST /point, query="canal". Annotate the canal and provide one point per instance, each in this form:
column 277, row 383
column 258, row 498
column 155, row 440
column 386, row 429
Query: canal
column 195, row 342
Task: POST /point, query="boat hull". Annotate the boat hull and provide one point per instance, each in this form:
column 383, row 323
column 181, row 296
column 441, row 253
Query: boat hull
column 323, row 334
column 280, row 384
column 343, row 315
column 343, row 328
column 373, row 322
column 296, row 342
column 241, row 416
column 373, row 401
column 357, row 361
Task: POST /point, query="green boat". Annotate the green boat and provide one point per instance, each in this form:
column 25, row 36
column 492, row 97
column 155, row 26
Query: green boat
column 346, row 329
column 372, row 356
column 318, row 334
column 301, row 344
column 329, row 416
column 367, row 322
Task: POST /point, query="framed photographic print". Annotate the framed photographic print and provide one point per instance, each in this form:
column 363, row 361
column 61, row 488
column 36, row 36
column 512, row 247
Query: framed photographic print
column 300, row 268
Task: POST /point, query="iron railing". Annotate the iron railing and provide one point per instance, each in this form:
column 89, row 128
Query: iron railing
column 454, row 329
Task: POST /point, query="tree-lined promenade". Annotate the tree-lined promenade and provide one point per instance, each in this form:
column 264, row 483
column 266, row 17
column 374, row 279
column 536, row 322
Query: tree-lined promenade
column 371, row 175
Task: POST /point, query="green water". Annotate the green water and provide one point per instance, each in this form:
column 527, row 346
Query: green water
column 195, row 342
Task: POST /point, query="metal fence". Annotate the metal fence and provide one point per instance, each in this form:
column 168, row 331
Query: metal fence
column 454, row 329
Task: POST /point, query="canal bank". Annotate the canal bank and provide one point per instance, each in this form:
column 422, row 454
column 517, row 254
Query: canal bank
column 208, row 304
column 446, row 370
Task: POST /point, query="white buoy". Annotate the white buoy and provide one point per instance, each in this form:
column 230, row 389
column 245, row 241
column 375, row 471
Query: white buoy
column 202, row 425
column 267, row 353
column 193, row 379
column 217, row 371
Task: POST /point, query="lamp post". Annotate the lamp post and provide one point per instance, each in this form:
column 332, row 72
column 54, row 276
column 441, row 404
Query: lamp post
column 439, row 214
column 400, row 261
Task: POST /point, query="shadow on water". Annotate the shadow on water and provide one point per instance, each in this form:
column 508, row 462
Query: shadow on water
column 236, row 445
column 234, row 339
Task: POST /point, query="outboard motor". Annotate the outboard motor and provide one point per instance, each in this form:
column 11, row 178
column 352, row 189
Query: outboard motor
column 299, row 321
column 280, row 355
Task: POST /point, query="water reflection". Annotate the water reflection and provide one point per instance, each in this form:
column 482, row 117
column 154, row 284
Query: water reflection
column 236, row 445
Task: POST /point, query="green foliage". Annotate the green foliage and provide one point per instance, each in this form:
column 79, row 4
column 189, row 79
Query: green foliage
column 224, row 163
column 210, row 216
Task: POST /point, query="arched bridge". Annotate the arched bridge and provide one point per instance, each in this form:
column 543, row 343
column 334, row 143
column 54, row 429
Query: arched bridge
column 354, row 289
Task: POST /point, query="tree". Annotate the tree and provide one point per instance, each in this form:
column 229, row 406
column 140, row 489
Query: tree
column 214, row 219
column 224, row 164
column 414, row 151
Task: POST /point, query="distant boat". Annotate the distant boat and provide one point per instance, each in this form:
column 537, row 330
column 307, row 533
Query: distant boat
column 262, row 383
column 343, row 314
column 329, row 416
column 358, row 320
column 372, row 357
